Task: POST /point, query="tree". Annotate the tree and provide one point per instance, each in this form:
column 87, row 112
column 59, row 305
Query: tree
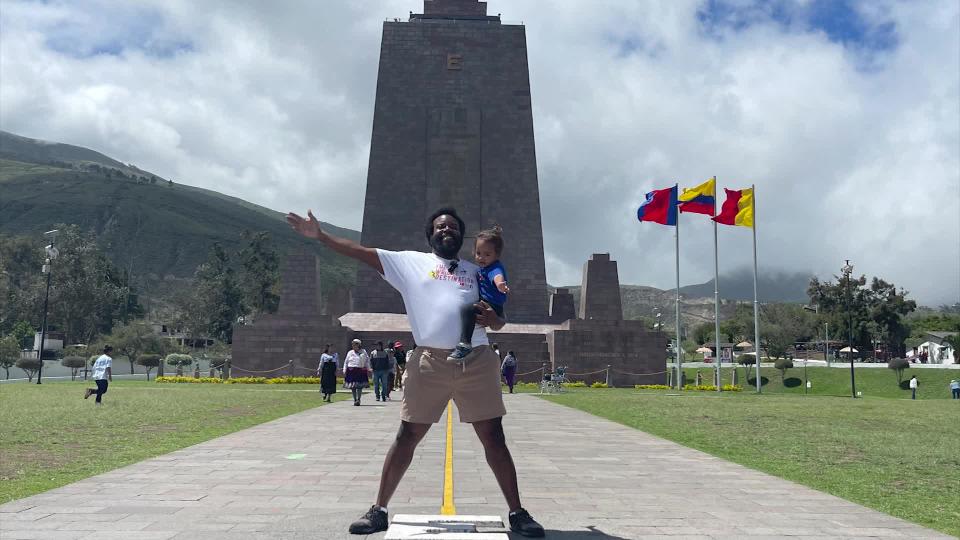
column 74, row 363
column 217, row 300
column 261, row 273
column 30, row 366
column 9, row 353
column 148, row 361
column 778, row 339
column 783, row 364
column 88, row 294
column 849, row 303
column 898, row 365
column 21, row 282
column 133, row 339
column 703, row 333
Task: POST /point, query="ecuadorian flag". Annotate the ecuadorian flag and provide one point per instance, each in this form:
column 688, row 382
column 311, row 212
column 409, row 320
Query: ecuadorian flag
column 660, row 207
column 737, row 209
column 700, row 199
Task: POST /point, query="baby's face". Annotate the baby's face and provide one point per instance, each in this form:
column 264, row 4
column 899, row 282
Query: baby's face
column 484, row 253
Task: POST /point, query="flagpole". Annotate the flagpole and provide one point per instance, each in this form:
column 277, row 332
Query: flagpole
column 716, row 286
column 756, row 304
column 678, row 349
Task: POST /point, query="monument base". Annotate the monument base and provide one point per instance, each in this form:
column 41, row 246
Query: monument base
column 408, row 526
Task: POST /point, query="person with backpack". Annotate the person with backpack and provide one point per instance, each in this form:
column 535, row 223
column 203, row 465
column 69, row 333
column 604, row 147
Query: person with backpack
column 380, row 362
column 508, row 369
column 400, row 358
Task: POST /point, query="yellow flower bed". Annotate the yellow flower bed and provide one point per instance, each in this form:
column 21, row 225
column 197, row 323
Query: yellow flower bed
column 691, row 387
column 243, row 380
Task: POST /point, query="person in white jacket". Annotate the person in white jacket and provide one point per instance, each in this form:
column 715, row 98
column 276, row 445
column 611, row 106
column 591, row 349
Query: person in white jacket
column 356, row 370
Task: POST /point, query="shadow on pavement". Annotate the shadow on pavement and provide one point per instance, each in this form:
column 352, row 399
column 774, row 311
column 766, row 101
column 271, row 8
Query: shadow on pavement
column 592, row 534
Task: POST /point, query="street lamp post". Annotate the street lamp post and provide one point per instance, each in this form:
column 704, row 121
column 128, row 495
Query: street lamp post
column 847, row 271
column 51, row 253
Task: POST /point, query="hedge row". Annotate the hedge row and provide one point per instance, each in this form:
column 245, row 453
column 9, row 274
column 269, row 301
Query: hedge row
column 242, row 380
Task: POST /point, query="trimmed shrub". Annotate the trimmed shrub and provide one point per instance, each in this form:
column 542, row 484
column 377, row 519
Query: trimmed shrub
column 575, row 384
column 149, row 361
column 30, row 366
column 651, row 387
column 179, row 360
column 898, row 365
column 783, row 364
column 599, row 384
column 74, row 363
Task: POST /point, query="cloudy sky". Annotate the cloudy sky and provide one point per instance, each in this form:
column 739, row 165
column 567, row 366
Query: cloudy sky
column 845, row 114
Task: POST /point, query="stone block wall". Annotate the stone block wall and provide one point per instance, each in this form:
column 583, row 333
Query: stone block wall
column 636, row 355
column 600, row 291
column 562, row 306
column 453, row 8
column 453, row 127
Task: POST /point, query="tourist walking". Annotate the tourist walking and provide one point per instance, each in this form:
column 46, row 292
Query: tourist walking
column 380, row 362
column 955, row 388
column 392, row 376
column 435, row 286
column 356, row 366
column 102, row 375
column 400, row 358
column 327, row 370
column 508, row 369
column 914, row 383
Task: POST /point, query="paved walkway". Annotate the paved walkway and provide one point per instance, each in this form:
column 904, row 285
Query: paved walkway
column 310, row 474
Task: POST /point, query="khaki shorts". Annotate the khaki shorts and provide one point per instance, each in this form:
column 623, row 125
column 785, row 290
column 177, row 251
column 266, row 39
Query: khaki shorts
column 430, row 380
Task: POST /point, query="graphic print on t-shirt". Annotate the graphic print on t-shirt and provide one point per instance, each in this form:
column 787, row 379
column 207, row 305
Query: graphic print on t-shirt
column 443, row 274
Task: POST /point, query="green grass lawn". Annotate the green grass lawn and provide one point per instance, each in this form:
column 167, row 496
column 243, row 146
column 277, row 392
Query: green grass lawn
column 872, row 382
column 900, row 457
column 50, row 436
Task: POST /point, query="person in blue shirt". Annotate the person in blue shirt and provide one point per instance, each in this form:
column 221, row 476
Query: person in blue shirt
column 492, row 281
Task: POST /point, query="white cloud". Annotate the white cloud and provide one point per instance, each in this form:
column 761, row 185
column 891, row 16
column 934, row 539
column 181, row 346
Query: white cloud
column 855, row 152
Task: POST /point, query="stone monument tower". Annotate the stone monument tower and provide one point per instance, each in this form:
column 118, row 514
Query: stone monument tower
column 452, row 126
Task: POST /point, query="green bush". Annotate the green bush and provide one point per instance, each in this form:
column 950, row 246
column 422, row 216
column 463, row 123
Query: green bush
column 576, row 384
column 177, row 359
column 30, row 366
column 599, row 384
column 898, row 365
column 651, row 387
column 74, row 363
column 783, row 364
column 149, row 361
column 242, row 380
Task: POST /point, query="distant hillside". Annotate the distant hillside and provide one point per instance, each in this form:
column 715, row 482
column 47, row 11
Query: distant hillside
column 696, row 304
column 641, row 302
column 772, row 287
column 158, row 231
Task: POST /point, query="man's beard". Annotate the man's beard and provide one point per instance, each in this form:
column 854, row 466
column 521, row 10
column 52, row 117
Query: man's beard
column 446, row 249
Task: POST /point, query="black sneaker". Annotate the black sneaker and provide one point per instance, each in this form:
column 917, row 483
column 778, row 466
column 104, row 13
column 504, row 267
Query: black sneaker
column 375, row 520
column 461, row 352
column 524, row 525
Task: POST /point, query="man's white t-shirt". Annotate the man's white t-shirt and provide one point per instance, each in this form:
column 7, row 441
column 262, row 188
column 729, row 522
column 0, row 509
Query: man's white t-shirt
column 913, row 383
column 432, row 295
column 100, row 367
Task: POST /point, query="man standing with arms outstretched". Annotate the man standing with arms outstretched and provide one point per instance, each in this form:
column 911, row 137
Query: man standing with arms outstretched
column 434, row 287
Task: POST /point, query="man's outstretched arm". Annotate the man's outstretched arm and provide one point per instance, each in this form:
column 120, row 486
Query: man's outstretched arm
column 310, row 228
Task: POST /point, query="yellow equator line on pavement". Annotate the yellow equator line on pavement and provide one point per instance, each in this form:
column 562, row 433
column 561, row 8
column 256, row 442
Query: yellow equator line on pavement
column 447, row 509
